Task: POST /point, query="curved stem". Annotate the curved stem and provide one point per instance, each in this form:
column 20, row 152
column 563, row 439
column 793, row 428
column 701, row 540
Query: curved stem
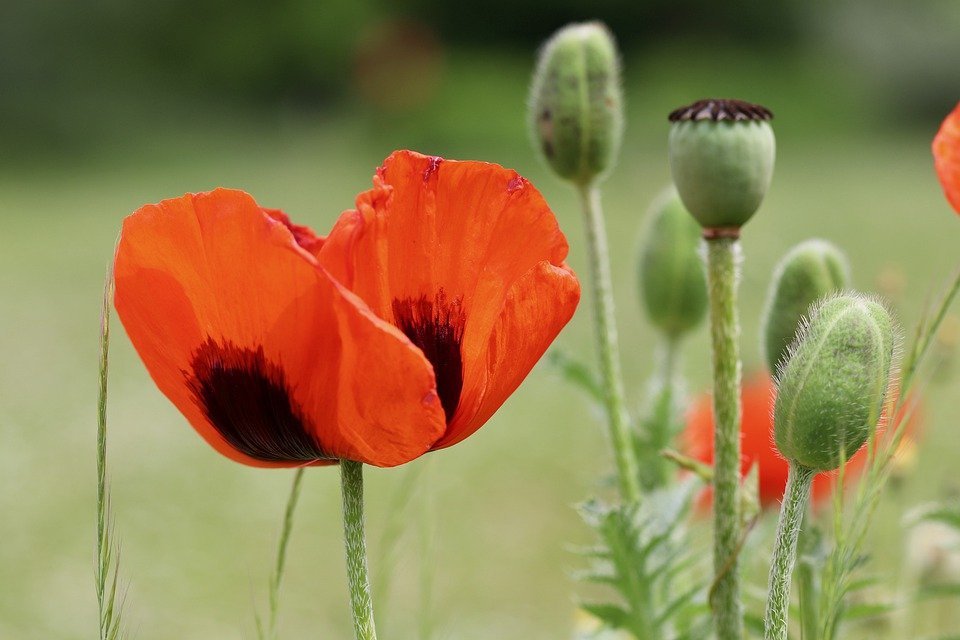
column 612, row 378
column 361, row 604
column 775, row 624
column 722, row 276
column 277, row 577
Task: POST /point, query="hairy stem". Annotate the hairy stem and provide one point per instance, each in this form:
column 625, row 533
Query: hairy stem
column 722, row 276
column 361, row 604
column 612, row 379
column 784, row 558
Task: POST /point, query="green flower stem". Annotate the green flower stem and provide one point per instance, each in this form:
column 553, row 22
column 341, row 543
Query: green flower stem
column 286, row 529
column 612, row 379
column 785, row 551
column 722, row 276
column 361, row 604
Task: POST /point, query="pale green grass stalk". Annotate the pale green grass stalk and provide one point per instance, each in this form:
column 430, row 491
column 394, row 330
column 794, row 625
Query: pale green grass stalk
column 427, row 539
column 270, row 631
column 850, row 533
column 722, row 278
column 108, row 549
column 611, row 376
column 393, row 530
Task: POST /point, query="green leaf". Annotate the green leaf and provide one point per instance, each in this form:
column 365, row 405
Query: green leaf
column 576, row 373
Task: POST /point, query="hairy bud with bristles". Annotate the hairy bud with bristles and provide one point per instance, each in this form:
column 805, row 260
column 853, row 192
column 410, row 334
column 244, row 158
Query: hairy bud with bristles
column 576, row 102
column 811, row 270
column 831, row 387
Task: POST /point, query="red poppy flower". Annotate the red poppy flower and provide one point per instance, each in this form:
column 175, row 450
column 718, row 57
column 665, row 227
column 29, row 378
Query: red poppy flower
column 946, row 157
column 758, row 395
column 275, row 362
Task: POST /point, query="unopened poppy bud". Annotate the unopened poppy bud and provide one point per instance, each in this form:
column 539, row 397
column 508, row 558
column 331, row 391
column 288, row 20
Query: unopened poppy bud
column 831, row 387
column 811, row 270
column 672, row 281
column 576, row 102
column 721, row 157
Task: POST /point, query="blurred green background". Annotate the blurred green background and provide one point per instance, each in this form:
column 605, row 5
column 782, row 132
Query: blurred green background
column 106, row 105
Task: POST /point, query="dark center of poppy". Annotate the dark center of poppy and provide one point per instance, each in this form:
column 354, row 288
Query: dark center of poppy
column 247, row 400
column 436, row 327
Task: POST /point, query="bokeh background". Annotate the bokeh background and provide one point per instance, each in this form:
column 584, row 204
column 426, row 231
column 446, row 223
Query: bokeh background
column 108, row 104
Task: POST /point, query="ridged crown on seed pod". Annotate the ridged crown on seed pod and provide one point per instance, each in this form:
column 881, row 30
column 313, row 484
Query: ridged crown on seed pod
column 721, row 158
column 832, row 385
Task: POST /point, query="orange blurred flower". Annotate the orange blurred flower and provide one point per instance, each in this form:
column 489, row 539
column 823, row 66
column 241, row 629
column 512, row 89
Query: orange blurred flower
column 758, row 395
column 401, row 332
column 946, row 157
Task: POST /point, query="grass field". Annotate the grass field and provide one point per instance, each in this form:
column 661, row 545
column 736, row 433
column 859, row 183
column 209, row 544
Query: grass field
column 199, row 531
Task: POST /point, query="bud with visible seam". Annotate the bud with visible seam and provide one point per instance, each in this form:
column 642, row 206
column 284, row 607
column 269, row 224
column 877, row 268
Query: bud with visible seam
column 576, row 102
column 832, row 385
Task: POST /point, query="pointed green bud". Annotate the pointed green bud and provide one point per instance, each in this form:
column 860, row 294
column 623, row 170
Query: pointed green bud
column 831, row 387
column 721, row 157
column 673, row 285
column 811, row 270
column 576, row 104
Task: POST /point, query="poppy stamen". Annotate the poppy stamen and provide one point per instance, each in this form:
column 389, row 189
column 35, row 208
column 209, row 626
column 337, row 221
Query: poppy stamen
column 436, row 327
column 247, row 400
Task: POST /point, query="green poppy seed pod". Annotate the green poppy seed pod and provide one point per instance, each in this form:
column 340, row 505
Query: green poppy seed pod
column 576, row 102
column 721, row 157
column 673, row 285
column 831, row 387
column 811, row 270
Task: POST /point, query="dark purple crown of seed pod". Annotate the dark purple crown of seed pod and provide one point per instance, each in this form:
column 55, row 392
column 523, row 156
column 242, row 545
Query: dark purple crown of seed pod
column 718, row 110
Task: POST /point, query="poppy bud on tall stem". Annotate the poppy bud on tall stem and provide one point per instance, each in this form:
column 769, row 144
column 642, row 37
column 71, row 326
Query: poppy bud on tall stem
column 721, row 158
column 830, row 394
column 576, row 104
column 576, row 118
column 673, row 290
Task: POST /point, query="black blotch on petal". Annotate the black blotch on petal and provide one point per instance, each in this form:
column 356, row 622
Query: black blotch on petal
column 247, row 400
column 436, row 327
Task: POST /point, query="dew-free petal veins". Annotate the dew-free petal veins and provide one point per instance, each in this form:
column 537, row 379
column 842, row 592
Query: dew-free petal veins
column 946, row 156
column 467, row 259
column 221, row 298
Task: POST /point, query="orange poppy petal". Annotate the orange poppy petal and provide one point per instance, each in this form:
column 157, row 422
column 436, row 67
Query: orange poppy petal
column 435, row 247
column 537, row 307
column 255, row 344
column 946, row 157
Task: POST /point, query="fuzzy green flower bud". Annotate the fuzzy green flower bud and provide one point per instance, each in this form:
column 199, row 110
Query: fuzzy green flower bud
column 831, row 387
column 576, row 102
column 721, row 157
column 673, row 285
column 811, row 270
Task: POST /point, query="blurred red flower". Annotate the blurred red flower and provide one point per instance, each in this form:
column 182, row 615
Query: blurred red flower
column 946, row 157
